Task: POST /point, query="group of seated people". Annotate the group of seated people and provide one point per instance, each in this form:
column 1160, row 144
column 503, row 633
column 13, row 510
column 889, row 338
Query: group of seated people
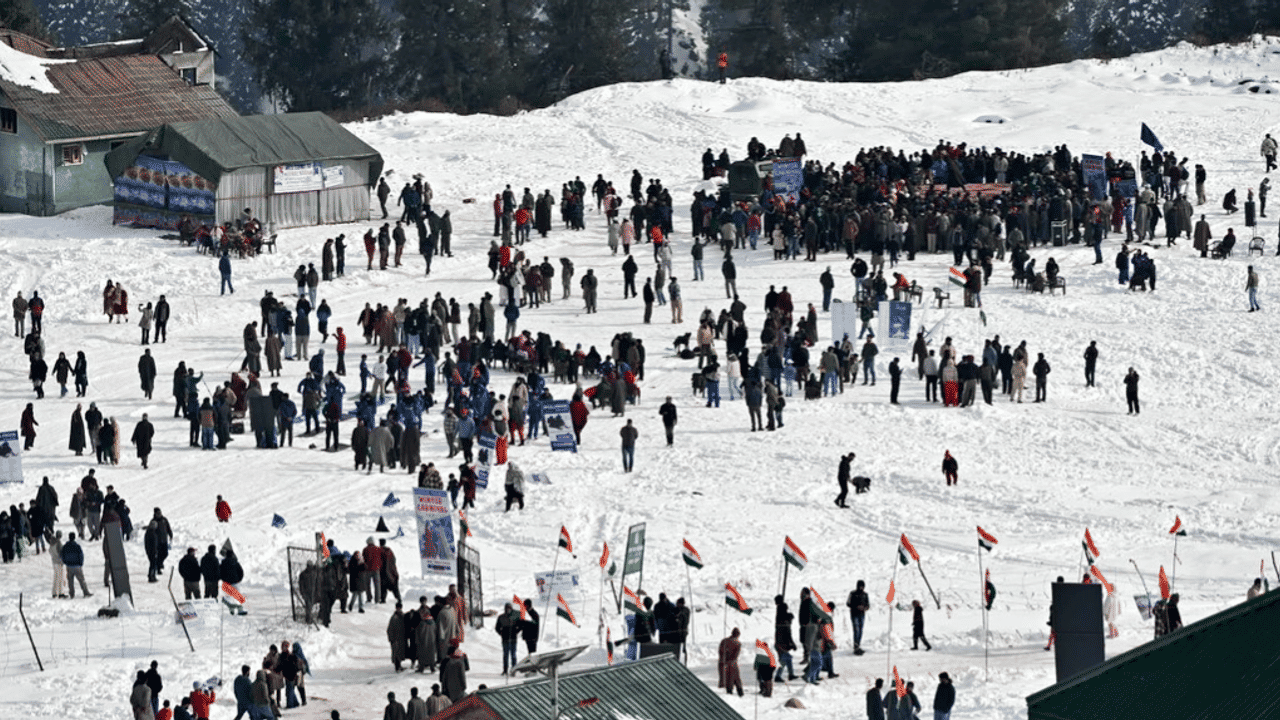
column 244, row 238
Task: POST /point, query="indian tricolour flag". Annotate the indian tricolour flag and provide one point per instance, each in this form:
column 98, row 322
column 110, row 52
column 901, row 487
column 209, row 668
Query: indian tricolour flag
column 820, row 611
column 957, row 277
column 232, row 592
column 1090, row 549
column 631, row 601
column 906, row 551
column 1177, row 528
column 986, row 540
column 792, row 554
column 565, row 541
column 519, row 605
column 763, row 651
column 562, row 609
column 691, row 557
column 734, row 599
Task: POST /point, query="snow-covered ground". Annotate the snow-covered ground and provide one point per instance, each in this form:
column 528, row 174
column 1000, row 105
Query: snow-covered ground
column 1035, row 476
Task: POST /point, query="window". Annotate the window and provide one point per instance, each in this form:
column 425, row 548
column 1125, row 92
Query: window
column 73, row 154
column 189, row 74
column 8, row 120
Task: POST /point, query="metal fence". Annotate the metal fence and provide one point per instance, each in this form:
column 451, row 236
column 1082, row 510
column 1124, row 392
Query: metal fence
column 304, row 583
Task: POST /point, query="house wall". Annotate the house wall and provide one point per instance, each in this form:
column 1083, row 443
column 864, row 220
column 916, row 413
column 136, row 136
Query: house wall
column 85, row 184
column 201, row 61
column 23, row 179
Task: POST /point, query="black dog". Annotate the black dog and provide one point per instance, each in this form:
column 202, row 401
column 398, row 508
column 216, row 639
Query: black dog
column 699, row 382
column 861, row 484
column 682, row 340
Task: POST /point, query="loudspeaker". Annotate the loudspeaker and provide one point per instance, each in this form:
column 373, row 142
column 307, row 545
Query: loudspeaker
column 1078, row 625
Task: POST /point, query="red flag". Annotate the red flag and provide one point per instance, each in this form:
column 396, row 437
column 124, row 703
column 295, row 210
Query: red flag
column 898, row 684
column 909, row 548
column 1093, row 570
column 889, row 598
column 1177, row 525
column 565, row 541
column 1164, row 584
column 232, row 592
column 763, row 648
column 324, row 547
column 985, row 539
column 1088, row 541
column 604, row 557
column 524, row 614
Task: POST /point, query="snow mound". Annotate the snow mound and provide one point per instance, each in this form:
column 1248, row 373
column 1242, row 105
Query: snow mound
column 26, row 70
column 990, row 119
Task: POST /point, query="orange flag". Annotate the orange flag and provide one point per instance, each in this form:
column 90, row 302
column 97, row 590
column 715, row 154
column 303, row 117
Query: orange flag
column 898, row 684
column 889, row 598
column 1164, row 584
column 1094, row 571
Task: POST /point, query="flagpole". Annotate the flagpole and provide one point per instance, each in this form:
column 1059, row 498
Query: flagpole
column 888, row 658
column 986, row 643
column 1173, row 581
column 600, row 606
column 551, row 583
column 1144, row 581
column 786, row 570
column 689, row 582
column 920, row 567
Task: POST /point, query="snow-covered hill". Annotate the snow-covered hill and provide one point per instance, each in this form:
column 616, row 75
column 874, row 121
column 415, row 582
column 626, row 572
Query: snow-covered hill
column 1035, row 476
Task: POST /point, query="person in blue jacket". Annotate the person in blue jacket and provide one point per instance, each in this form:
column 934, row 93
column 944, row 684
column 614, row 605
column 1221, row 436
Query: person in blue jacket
column 224, row 268
column 73, row 560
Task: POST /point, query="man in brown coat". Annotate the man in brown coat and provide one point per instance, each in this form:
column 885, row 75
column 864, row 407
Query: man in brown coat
column 730, row 677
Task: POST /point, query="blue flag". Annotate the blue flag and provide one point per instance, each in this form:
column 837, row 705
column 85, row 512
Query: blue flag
column 399, row 532
column 277, row 522
column 391, row 500
column 1150, row 138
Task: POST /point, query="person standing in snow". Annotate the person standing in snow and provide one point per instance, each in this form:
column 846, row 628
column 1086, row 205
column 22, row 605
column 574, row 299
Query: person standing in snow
column 1131, row 391
column 917, row 626
column 668, row 413
column 842, row 477
column 950, row 469
column 1250, row 286
column 224, row 269
column 1269, row 152
column 629, row 434
column 1041, row 370
column 1090, row 362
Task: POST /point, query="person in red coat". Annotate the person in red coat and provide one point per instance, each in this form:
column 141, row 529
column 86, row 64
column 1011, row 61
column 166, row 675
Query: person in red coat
column 950, row 469
column 222, row 510
column 341, row 339
column 201, row 700
column 373, row 562
column 28, row 426
column 578, row 414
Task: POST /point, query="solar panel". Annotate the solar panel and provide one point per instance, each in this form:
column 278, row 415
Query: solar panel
column 544, row 662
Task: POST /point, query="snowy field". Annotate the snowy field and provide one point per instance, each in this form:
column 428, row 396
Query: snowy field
column 1035, row 476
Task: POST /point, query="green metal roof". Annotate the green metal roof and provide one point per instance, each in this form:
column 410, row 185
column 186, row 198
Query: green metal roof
column 216, row 146
column 657, row 688
column 1224, row 666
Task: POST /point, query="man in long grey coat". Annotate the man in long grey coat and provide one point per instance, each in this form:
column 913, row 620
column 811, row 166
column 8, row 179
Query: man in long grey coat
column 380, row 444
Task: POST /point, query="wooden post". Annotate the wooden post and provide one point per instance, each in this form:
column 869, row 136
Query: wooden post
column 31, row 640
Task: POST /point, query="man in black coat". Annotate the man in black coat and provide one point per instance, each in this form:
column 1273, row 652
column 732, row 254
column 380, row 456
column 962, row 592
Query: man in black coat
column 161, row 320
column 209, row 568
column 629, row 270
column 142, row 434
column 895, row 380
column 189, row 570
column 875, row 709
column 529, row 627
column 1090, row 362
column 945, row 697
column 147, row 373
column 1041, row 370
column 668, row 413
column 842, row 477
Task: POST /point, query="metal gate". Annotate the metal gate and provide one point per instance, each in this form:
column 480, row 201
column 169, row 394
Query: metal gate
column 469, row 583
column 304, row 583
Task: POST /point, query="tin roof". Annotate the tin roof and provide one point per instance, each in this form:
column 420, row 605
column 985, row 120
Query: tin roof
column 1224, row 666
column 112, row 97
column 652, row 689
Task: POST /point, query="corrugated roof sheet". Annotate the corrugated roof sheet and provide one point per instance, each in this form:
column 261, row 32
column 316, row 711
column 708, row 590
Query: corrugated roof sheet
column 1224, row 666
column 24, row 43
column 652, row 689
column 113, row 96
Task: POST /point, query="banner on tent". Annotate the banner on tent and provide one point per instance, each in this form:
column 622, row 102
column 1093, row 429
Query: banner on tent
column 10, row 457
column 788, row 179
column 302, row 177
column 1093, row 170
column 895, row 325
column 487, row 447
column 560, row 582
column 844, row 320
column 435, row 532
column 560, row 425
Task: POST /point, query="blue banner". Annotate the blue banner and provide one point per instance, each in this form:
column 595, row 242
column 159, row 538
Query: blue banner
column 435, row 531
column 788, row 179
column 899, row 320
column 560, row 425
column 1093, row 171
column 486, row 449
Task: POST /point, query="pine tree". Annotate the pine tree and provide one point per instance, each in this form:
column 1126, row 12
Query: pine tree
column 140, row 17
column 317, row 54
column 22, row 15
column 583, row 47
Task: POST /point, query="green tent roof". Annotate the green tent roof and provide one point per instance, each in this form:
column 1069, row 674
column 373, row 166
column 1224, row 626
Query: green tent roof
column 1224, row 666
column 213, row 147
column 652, row 689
